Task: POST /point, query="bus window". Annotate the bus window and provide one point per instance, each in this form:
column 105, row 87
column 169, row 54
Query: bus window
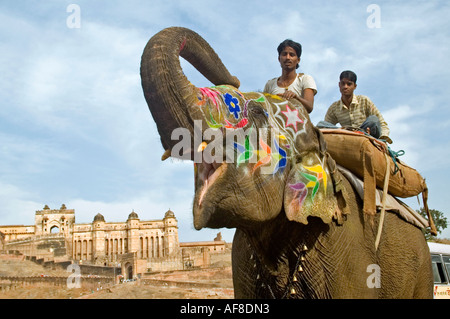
column 438, row 269
column 446, row 260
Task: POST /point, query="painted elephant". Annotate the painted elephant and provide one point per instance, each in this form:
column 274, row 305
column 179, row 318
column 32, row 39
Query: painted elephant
column 300, row 228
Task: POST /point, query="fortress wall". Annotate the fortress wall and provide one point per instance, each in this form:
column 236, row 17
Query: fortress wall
column 48, row 246
column 14, row 282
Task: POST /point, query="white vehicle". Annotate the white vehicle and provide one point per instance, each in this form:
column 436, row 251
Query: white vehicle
column 440, row 261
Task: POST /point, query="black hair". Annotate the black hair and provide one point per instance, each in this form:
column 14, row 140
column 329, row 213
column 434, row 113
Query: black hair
column 289, row 43
column 348, row 75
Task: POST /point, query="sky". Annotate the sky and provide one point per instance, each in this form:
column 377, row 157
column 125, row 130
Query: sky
column 75, row 128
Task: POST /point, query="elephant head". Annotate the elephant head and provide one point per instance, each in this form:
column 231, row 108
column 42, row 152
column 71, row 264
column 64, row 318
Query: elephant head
column 255, row 155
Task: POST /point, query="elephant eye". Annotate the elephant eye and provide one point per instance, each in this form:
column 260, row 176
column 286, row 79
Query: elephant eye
column 256, row 109
column 257, row 114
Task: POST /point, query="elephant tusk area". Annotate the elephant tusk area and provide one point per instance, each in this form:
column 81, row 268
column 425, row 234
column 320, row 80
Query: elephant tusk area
column 166, row 154
column 202, row 147
column 209, row 173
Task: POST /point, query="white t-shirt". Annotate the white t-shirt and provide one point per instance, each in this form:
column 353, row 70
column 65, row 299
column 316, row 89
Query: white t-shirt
column 301, row 82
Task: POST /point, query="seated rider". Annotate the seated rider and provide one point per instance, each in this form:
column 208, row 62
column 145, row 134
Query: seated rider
column 291, row 85
column 355, row 111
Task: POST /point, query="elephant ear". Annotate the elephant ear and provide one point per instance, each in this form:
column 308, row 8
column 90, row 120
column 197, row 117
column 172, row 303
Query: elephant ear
column 309, row 189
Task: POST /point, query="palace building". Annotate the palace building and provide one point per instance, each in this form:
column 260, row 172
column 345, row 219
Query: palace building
column 151, row 244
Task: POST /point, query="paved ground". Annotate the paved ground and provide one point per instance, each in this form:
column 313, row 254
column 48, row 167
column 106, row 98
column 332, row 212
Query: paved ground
column 213, row 283
column 139, row 291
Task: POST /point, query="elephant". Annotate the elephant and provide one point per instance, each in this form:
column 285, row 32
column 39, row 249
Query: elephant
column 300, row 228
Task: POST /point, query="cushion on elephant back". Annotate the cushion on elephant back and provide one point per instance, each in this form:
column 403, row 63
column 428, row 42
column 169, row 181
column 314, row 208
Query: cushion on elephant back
column 366, row 157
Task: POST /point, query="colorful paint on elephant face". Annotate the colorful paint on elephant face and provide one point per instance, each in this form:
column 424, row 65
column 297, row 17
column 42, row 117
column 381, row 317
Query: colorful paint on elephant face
column 226, row 107
column 245, row 152
column 292, row 118
column 300, row 192
column 287, row 118
column 211, row 102
column 266, row 156
column 308, row 184
column 275, row 155
column 315, row 179
column 233, row 104
column 210, row 95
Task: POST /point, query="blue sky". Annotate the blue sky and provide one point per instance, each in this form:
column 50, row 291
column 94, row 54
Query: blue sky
column 75, row 128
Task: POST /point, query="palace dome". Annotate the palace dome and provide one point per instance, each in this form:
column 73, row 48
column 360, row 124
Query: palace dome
column 169, row 214
column 133, row 215
column 99, row 218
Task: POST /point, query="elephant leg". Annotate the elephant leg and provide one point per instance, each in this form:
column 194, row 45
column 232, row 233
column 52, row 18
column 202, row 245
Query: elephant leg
column 424, row 279
column 404, row 260
column 424, row 286
column 243, row 261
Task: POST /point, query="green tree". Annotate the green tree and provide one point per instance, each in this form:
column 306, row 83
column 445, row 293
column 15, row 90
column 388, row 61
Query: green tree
column 439, row 219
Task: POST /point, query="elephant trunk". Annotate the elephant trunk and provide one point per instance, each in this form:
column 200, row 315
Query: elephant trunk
column 168, row 92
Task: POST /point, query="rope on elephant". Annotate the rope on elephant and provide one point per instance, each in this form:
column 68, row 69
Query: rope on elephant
column 394, row 156
column 383, row 201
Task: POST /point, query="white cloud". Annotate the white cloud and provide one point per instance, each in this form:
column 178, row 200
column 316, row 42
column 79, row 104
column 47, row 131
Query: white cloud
column 18, row 205
column 21, row 156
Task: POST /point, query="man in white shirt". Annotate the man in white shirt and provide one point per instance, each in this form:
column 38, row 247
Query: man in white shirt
column 291, row 85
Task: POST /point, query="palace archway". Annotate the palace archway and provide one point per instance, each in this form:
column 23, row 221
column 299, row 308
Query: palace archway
column 54, row 230
column 128, row 271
